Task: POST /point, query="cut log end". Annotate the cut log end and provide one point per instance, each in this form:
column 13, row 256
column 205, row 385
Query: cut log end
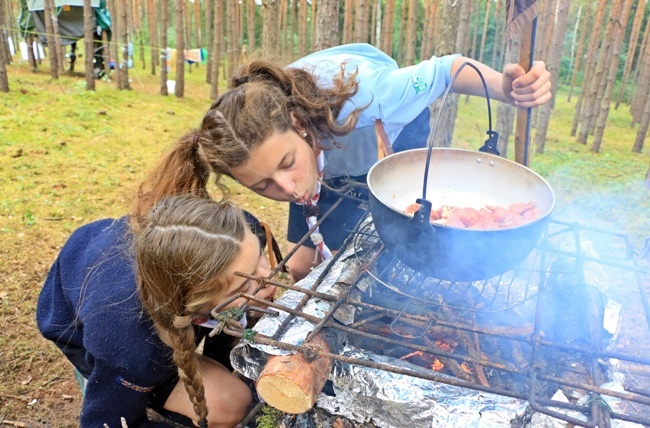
column 285, row 395
column 292, row 383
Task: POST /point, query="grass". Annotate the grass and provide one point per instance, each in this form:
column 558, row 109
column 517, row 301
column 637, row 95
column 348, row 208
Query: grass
column 69, row 156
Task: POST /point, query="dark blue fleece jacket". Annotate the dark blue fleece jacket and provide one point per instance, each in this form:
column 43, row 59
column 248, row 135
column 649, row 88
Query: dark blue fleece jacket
column 89, row 305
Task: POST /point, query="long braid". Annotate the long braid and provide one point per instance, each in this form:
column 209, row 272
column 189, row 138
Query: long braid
column 183, row 249
column 185, row 358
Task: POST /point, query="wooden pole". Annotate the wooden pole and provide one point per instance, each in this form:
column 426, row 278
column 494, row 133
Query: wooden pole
column 522, row 127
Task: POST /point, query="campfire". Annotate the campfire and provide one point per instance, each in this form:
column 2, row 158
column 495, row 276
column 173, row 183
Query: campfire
column 562, row 339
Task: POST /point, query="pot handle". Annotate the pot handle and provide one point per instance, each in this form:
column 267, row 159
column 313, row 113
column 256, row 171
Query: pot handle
column 422, row 218
column 490, row 144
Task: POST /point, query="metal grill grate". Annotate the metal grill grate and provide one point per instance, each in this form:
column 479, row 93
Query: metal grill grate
column 575, row 309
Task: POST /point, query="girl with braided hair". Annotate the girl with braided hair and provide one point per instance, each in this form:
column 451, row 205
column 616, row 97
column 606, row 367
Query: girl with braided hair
column 128, row 300
column 302, row 133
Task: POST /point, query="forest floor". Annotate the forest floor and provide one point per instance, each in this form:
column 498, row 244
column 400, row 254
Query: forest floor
column 69, row 156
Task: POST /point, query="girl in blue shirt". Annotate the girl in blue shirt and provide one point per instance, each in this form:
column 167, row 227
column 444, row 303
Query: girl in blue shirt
column 127, row 302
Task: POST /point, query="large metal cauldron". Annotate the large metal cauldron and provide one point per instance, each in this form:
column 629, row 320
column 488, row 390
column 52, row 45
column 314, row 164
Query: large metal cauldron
column 461, row 178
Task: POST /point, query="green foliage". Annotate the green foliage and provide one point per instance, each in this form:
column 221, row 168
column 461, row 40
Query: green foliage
column 269, row 417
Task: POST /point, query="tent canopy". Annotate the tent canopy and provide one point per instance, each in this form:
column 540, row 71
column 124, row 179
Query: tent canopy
column 70, row 16
column 34, row 5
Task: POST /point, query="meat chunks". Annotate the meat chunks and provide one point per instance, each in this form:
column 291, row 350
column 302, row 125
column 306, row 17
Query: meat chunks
column 488, row 218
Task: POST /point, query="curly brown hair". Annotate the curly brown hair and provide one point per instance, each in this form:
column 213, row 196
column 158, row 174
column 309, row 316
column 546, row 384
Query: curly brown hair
column 263, row 99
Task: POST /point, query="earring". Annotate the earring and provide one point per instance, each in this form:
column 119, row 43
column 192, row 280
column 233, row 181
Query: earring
column 304, row 134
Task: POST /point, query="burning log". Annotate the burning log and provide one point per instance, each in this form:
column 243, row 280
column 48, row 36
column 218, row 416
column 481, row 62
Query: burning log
column 291, row 383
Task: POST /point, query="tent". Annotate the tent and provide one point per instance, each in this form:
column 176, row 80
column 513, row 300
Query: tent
column 31, row 21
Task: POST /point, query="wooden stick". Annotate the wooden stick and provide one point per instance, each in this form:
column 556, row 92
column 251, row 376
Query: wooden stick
column 522, row 128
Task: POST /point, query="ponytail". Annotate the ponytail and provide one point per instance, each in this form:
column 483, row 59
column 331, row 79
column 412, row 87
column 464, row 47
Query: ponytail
column 181, row 172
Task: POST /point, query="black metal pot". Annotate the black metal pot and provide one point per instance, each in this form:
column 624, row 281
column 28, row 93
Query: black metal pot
column 461, row 178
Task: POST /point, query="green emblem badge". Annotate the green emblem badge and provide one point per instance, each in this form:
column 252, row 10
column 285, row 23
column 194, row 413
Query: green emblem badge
column 419, row 84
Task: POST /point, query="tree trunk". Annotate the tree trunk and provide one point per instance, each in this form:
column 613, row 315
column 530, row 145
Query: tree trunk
column 130, row 6
column 375, row 23
column 152, row 20
column 5, row 28
column 282, row 27
column 578, row 57
column 499, row 36
column 302, row 28
column 106, row 56
column 411, row 33
column 29, row 40
column 545, row 29
column 643, row 130
column 89, row 44
column 270, row 28
column 187, row 25
column 620, row 27
column 252, row 8
column 60, row 52
column 180, row 49
column 444, row 128
column 164, row 24
column 401, row 39
column 593, row 95
column 314, row 23
column 426, row 30
column 462, row 32
column 387, row 28
column 48, row 12
column 553, row 60
column 11, row 16
column 361, row 21
column 141, row 43
column 631, row 49
column 124, row 39
column 209, row 34
column 116, row 51
column 641, row 81
column 241, row 27
column 327, row 27
column 4, row 79
column 197, row 24
column 644, row 117
column 216, row 49
column 348, row 16
column 113, row 44
column 484, row 34
column 590, row 62
column 231, row 31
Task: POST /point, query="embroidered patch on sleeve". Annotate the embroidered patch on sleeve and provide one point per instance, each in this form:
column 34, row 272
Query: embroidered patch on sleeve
column 133, row 386
column 419, row 84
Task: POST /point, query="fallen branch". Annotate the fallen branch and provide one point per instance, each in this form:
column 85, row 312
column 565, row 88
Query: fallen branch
column 14, row 423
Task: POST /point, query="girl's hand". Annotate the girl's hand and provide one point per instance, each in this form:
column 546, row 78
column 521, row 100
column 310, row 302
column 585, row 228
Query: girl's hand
column 526, row 90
